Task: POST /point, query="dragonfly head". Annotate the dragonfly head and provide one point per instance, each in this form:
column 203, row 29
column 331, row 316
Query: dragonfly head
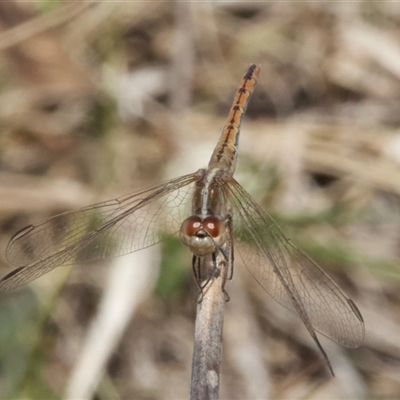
column 203, row 235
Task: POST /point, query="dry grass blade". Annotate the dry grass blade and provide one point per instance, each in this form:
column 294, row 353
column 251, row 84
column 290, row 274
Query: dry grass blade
column 42, row 23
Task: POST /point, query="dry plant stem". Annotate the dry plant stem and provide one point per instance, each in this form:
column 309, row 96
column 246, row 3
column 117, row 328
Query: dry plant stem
column 34, row 26
column 207, row 351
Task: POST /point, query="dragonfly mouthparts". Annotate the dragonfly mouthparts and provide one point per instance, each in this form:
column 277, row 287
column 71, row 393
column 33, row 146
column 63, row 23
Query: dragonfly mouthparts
column 201, row 234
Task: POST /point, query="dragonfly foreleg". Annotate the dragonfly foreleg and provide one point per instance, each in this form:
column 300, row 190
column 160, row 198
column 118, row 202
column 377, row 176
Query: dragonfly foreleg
column 197, row 277
column 205, row 269
column 202, row 274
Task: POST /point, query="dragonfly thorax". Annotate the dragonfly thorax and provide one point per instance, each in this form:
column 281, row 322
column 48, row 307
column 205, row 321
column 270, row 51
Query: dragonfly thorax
column 203, row 235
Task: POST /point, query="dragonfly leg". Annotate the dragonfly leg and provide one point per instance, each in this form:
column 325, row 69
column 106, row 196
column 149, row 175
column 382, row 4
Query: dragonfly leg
column 227, row 269
column 216, row 270
column 196, row 270
column 230, row 245
column 197, row 264
column 197, row 278
column 224, row 271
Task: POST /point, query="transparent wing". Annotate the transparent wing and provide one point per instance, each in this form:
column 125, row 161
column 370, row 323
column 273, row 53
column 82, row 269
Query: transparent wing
column 109, row 229
column 289, row 275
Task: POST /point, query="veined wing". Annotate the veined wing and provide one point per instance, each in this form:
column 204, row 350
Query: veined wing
column 289, row 275
column 108, row 229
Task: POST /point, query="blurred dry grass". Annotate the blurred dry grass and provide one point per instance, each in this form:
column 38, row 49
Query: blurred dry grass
column 99, row 99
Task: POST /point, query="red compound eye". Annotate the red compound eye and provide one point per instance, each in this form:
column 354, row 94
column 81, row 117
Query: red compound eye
column 191, row 225
column 212, row 225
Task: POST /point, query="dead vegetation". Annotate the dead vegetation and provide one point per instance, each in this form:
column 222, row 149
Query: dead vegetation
column 99, row 99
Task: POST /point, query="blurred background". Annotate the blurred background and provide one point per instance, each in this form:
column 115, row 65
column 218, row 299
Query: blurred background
column 99, row 99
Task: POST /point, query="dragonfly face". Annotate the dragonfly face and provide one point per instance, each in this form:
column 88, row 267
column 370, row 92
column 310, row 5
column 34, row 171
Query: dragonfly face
column 203, row 236
column 223, row 217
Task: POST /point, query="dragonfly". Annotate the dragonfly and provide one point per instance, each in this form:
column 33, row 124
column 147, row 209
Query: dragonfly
column 214, row 217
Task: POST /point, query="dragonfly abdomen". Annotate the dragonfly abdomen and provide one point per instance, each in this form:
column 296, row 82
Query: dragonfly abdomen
column 226, row 152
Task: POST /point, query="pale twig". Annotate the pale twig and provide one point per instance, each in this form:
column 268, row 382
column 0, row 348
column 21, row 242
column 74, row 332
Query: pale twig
column 130, row 281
